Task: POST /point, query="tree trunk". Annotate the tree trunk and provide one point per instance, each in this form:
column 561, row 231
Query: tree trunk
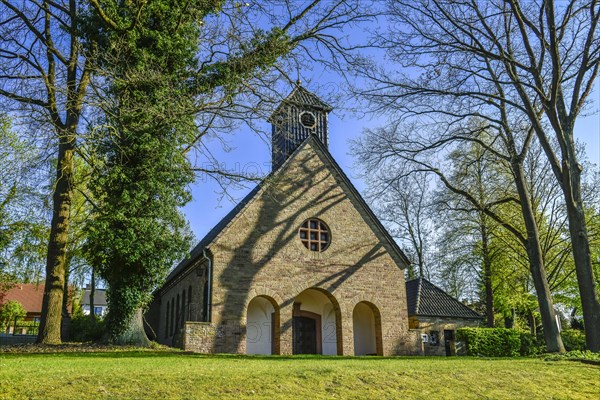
column 581, row 254
column 65, row 302
column 509, row 320
column 92, row 293
column 65, row 322
column 487, row 277
column 536, row 265
column 532, row 324
column 50, row 323
column 135, row 334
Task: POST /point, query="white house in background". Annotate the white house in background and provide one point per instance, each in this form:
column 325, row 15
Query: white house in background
column 100, row 305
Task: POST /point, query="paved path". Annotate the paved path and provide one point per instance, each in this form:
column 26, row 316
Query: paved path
column 7, row 340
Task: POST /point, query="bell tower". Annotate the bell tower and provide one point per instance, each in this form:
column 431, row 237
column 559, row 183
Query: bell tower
column 299, row 115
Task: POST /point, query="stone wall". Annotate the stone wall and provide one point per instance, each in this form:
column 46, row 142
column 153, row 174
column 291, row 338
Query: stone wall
column 200, row 336
column 427, row 325
column 189, row 310
column 411, row 344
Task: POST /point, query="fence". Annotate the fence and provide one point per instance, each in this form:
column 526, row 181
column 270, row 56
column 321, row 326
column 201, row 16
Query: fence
column 25, row 327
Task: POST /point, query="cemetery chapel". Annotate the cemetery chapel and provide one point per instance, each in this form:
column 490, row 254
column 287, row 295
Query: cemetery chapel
column 300, row 266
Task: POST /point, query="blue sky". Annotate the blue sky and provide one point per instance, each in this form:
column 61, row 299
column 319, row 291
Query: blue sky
column 250, row 153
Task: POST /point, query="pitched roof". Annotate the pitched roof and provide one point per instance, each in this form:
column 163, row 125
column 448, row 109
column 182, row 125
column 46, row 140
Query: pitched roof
column 425, row 299
column 31, row 296
column 197, row 251
column 99, row 297
column 302, row 97
column 212, row 234
column 28, row 294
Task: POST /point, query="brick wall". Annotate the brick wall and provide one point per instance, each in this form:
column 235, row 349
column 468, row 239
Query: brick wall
column 191, row 310
column 260, row 254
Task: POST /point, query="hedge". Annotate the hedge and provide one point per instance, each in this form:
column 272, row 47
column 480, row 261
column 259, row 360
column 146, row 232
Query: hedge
column 573, row 339
column 9, row 311
column 530, row 346
column 490, row 342
column 86, row 329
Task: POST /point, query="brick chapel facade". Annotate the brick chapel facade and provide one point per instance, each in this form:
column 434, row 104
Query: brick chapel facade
column 300, row 266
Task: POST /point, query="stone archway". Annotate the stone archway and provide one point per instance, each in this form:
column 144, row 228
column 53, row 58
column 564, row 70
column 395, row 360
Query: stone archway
column 316, row 323
column 262, row 326
column 366, row 324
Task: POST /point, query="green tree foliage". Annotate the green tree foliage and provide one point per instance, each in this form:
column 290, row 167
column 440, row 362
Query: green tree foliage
column 488, row 180
column 137, row 231
column 87, row 328
column 592, row 202
column 574, row 339
column 9, row 311
column 23, row 214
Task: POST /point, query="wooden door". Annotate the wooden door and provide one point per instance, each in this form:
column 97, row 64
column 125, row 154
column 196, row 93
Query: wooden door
column 305, row 335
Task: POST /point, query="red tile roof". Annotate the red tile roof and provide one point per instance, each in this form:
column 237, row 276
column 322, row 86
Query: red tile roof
column 29, row 295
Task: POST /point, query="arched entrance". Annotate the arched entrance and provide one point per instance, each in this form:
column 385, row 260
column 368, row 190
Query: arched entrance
column 262, row 326
column 366, row 324
column 316, row 323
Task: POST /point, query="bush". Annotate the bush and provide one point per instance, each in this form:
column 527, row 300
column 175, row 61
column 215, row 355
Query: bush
column 87, row 329
column 575, row 355
column 490, row 342
column 573, row 339
column 9, row 311
column 530, row 346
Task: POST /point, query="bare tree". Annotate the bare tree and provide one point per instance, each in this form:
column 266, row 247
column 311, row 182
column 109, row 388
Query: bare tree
column 44, row 76
column 536, row 59
column 404, row 206
column 418, row 149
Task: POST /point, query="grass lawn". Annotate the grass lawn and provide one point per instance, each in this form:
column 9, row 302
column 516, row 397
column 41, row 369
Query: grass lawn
column 173, row 375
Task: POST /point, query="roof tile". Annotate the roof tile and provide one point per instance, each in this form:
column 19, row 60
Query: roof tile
column 28, row 294
column 425, row 299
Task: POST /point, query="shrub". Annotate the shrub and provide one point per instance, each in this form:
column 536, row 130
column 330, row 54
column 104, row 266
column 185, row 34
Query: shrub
column 573, row 339
column 575, row 355
column 530, row 346
column 9, row 311
column 87, row 329
column 490, row 342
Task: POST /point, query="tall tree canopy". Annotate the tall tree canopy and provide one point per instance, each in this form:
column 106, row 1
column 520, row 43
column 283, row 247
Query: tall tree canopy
column 44, row 82
column 156, row 85
column 524, row 66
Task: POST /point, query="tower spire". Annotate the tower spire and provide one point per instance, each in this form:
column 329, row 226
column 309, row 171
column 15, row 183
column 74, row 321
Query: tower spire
column 299, row 115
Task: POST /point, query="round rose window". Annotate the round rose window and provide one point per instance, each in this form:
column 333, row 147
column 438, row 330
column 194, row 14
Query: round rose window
column 315, row 235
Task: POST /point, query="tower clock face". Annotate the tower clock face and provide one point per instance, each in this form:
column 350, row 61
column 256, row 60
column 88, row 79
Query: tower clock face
column 308, row 120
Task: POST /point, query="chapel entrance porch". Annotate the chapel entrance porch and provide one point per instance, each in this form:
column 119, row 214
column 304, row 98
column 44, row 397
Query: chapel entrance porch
column 309, row 323
column 316, row 323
